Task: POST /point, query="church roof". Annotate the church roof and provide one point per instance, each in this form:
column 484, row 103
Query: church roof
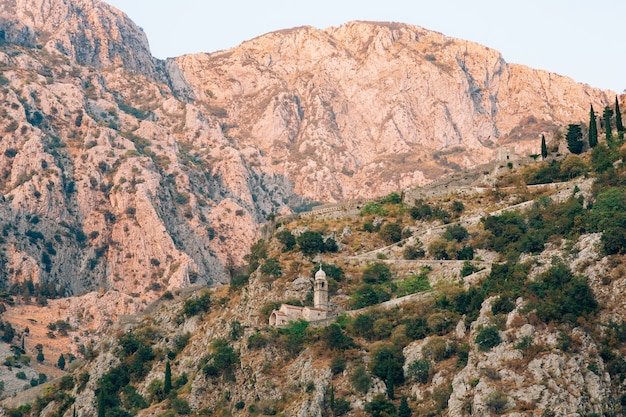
column 319, row 275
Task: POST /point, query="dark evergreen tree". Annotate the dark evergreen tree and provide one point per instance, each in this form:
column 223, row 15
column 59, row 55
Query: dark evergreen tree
column 311, row 243
column 61, row 362
column 574, row 139
column 618, row 117
column 404, row 410
column 389, row 380
column 9, row 333
column 608, row 129
column 593, row 129
column 287, row 239
column 101, row 404
column 544, row 148
column 167, row 383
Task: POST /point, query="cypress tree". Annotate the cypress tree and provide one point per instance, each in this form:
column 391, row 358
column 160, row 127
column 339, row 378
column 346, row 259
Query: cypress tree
column 167, row 383
column 544, row 148
column 593, row 129
column 61, row 362
column 574, row 139
column 608, row 113
column 389, row 381
column 404, row 410
column 618, row 117
column 101, row 409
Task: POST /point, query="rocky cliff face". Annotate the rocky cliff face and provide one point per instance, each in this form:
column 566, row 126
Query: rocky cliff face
column 367, row 108
column 123, row 173
column 87, row 32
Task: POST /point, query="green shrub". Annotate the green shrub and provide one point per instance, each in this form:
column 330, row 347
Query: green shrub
column 272, row 267
column 340, row 407
column 376, row 272
column 361, row 379
column 502, row 305
column 197, row 305
column 468, row 269
column 292, row 337
column 380, row 407
column 391, row 232
column 332, row 271
column 487, row 338
column 456, row 232
column 387, row 359
column 310, row 243
column 392, row 198
column 257, row 340
column 525, row 343
column 180, row 341
column 239, row 281
column 373, row 208
column 421, row 211
column 287, row 239
column 181, row 406
column 416, row 328
column 497, row 401
column 559, row 296
column 436, row 349
column 258, row 251
column 222, row 360
column 335, row 338
column 413, row 284
column 457, row 207
column 337, row 365
column 412, row 252
column 419, row 371
column 362, row 326
column 368, row 295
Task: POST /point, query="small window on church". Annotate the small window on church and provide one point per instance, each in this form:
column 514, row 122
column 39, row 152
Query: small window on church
column 322, row 285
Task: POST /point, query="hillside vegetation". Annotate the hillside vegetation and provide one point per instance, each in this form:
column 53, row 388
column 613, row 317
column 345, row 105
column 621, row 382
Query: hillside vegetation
column 521, row 312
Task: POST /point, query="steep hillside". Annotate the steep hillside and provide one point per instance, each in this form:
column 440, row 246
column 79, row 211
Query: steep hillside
column 369, row 108
column 124, row 173
column 503, row 300
column 109, row 181
column 124, row 179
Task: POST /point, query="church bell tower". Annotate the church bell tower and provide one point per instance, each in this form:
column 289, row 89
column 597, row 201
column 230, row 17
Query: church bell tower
column 320, row 290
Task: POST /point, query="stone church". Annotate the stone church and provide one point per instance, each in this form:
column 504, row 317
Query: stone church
column 319, row 311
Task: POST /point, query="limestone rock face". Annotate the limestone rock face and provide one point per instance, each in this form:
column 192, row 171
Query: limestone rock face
column 367, row 108
column 119, row 172
column 88, row 32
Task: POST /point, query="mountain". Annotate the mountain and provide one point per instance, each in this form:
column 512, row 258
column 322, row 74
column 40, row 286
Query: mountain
column 369, row 108
column 127, row 184
column 131, row 174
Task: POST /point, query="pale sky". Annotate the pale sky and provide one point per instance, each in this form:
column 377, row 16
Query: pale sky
column 582, row 39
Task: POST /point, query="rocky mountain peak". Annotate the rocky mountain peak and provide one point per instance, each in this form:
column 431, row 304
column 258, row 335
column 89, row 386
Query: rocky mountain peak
column 367, row 107
column 88, row 32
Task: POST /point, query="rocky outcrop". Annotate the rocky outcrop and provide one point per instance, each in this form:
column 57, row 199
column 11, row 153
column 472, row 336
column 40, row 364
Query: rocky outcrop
column 88, row 32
